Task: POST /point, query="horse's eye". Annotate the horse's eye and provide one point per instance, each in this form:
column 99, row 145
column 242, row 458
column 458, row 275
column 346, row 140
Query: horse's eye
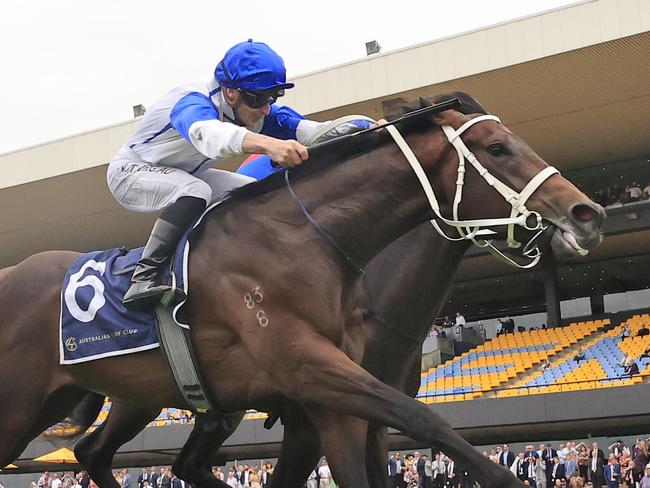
column 496, row 149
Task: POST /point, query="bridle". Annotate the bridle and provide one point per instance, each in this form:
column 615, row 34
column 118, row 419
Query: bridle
column 473, row 229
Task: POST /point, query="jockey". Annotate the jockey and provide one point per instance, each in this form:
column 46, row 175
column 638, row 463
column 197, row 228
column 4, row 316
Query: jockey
column 165, row 165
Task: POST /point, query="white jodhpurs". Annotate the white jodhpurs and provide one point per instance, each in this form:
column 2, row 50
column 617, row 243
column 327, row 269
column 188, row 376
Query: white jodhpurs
column 145, row 187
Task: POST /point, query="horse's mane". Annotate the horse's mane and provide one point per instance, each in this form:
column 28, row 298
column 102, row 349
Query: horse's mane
column 338, row 151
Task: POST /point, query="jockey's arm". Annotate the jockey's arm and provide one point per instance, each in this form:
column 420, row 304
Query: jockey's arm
column 287, row 153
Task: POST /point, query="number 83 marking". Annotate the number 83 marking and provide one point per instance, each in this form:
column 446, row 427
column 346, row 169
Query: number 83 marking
column 252, row 299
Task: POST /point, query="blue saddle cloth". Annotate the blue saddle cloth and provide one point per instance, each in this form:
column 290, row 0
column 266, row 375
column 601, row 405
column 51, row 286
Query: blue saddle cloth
column 94, row 323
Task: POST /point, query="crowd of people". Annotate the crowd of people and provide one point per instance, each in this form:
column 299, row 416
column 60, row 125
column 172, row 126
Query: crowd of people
column 571, row 465
column 621, row 194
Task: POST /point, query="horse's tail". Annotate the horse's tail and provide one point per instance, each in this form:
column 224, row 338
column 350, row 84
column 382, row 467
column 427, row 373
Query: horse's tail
column 79, row 420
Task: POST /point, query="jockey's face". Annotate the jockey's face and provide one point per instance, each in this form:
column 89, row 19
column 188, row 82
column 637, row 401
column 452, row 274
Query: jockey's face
column 249, row 116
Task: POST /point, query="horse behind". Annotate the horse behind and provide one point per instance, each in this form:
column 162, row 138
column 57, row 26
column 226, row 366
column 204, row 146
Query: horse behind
column 310, row 350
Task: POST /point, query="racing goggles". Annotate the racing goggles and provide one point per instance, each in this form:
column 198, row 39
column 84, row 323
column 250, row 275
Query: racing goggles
column 257, row 99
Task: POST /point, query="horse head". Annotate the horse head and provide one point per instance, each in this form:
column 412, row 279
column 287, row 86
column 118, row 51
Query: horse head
column 537, row 206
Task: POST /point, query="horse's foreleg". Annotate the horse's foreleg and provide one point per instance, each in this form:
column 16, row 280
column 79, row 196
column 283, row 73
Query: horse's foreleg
column 343, row 439
column 208, row 434
column 377, row 456
column 96, row 450
column 330, row 379
column 300, row 449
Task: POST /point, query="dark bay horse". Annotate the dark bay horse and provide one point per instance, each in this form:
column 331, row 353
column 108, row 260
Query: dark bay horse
column 308, row 352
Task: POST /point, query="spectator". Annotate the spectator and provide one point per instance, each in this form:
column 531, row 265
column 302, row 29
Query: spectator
column 617, row 449
column 640, row 456
column 325, row 475
column 540, row 473
column 645, row 481
column 580, row 355
column 625, row 333
column 600, row 197
column 460, row 320
column 44, row 481
column 643, row 331
column 646, row 191
column 410, row 477
column 439, row 469
column 529, row 451
column 452, row 479
column 570, row 465
column 126, row 479
column 396, row 467
column 267, row 474
column 628, row 475
column 582, row 460
column 428, row 473
column 630, row 368
column 232, row 481
column 522, row 468
column 544, row 365
column 56, row 481
column 646, row 353
column 634, row 191
column 596, row 465
column 507, row 457
column 557, row 471
column 612, row 472
column 312, row 481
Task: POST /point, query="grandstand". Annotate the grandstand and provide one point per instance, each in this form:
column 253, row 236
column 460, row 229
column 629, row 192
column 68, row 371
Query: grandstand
column 509, row 365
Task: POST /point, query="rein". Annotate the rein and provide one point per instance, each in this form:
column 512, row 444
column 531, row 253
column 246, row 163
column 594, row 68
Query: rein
column 467, row 229
column 348, row 259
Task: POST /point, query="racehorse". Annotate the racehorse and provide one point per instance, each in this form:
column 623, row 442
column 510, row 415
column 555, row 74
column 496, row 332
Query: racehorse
column 308, row 349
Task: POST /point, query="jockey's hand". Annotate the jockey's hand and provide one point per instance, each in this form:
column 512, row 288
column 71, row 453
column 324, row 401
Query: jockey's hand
column 288, row 153
column 380, row 122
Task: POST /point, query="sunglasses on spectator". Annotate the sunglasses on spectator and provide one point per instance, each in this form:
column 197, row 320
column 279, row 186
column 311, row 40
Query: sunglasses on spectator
column 257, row 99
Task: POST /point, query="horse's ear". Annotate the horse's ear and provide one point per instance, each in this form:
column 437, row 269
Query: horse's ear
column 426, row 102
column 396, row 107
column 448, row 117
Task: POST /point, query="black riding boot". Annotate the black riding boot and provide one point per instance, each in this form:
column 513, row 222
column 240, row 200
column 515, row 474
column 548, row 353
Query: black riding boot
column 147, row 285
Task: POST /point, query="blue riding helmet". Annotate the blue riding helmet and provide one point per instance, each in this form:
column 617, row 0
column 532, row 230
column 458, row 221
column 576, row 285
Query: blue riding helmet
column 252, row 66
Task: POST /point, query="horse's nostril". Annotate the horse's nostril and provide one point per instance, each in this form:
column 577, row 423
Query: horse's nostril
column 584, row 213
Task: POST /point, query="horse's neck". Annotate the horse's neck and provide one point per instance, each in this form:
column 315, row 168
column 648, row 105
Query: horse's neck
column 407, row 283
column 370, row 201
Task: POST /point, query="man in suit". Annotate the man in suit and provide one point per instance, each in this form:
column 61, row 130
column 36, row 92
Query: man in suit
column 547, row 455
column 506, row 458
column 418, row 466
column 520, row 468
column 428, row 472
column 439, row 468
column 153, row 477
column 126, row 478
column 612, row 472
column 526, row 469
column 396, row 470
column 452, row 480
column 144, row 476
column 557, row 471
column 177, row 482
column 596, row 465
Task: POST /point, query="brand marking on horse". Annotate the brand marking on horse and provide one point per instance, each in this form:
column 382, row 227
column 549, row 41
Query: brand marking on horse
column 252, row 299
